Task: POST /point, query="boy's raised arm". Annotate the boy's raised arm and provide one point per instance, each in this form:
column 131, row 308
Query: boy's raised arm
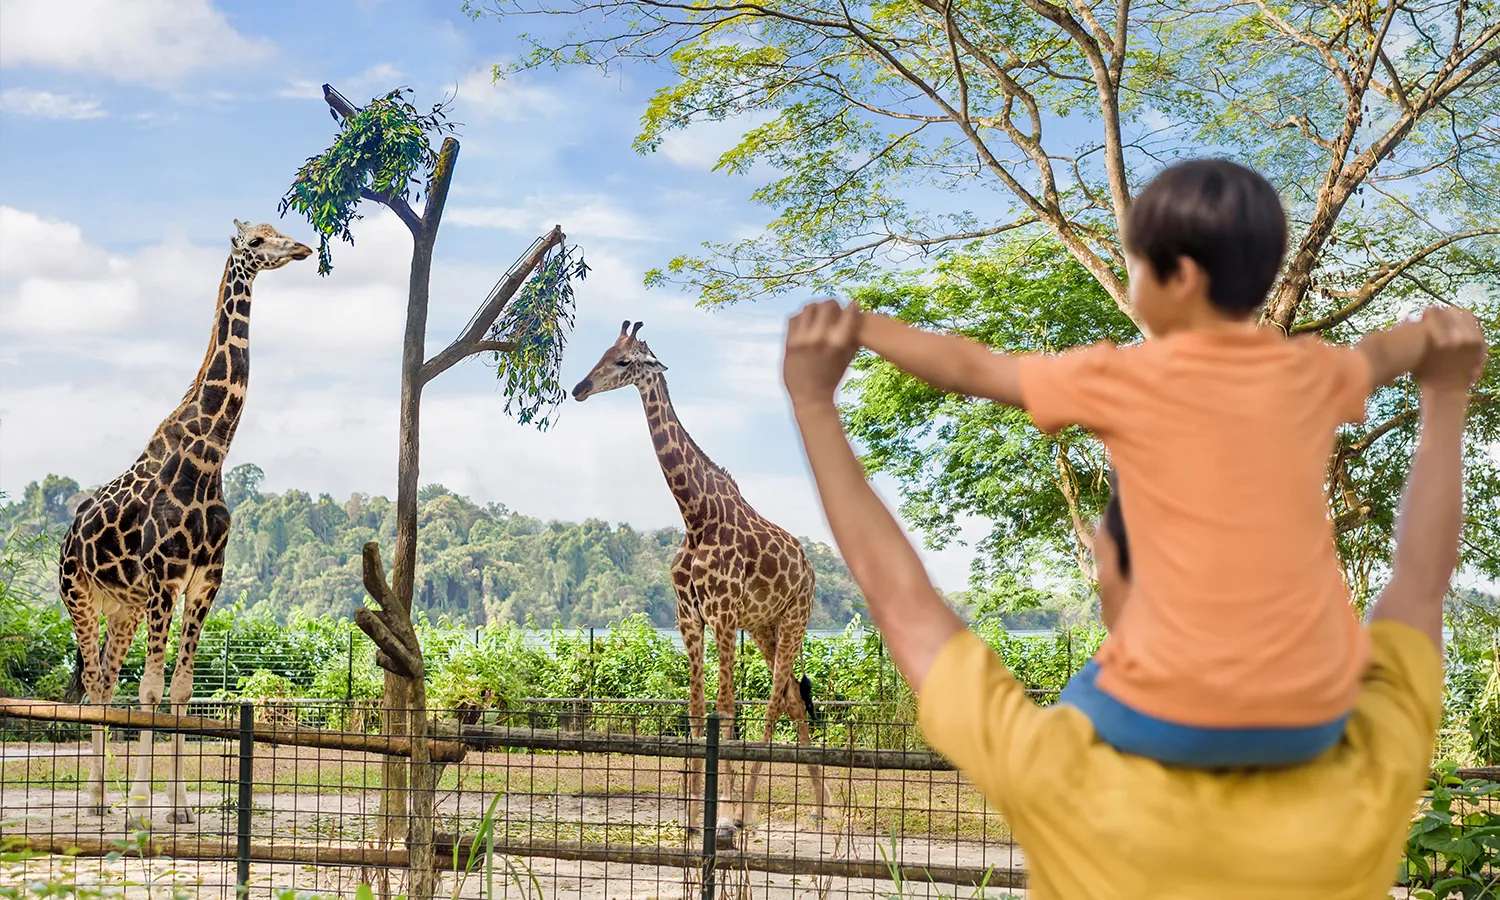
column 948, row 362
column 1394, row 351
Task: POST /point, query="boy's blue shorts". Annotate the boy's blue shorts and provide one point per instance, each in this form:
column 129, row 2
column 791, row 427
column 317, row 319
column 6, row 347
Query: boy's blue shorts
column 1130, row 731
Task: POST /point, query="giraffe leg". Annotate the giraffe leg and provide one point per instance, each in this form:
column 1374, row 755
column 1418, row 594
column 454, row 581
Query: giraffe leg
column 765, row 639
column 725, row 634
column 788, row 649
column 158, row 619
column 197, row 601
column 692, row 644
column 120, row 626
column 84, row 610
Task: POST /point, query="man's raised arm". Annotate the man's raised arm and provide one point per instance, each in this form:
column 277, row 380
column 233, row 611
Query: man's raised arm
column 1432, row 509
column 914, row 619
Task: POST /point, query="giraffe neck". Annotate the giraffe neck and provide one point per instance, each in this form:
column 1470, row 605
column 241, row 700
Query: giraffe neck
column 703, row 491
column 209, row 413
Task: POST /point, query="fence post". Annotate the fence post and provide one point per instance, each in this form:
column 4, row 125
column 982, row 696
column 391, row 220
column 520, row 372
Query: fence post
column 349, row 679
column 243, row 806
column 710, row 805
column 227, row 635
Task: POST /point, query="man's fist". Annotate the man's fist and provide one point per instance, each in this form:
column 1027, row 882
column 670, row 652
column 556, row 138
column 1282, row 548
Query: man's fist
column 1455, row 349
column 821, row 340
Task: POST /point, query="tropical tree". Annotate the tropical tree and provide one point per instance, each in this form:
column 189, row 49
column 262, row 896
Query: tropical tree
column 384, row 153
column 900, row 129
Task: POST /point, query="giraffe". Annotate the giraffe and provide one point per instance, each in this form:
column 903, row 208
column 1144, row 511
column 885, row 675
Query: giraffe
column 735, row 569
column 159, row 529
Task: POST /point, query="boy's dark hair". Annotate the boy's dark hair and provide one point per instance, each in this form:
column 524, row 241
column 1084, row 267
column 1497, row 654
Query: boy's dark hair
column 1221, row 215
column 1114, row 526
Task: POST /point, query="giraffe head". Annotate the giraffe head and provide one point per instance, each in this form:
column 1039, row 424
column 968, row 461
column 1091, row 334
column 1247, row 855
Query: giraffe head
column 627, row 361
column 263, row 247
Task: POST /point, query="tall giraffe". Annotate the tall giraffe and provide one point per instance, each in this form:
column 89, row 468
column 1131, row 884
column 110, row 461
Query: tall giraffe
column 735, row 569
column 159, row 529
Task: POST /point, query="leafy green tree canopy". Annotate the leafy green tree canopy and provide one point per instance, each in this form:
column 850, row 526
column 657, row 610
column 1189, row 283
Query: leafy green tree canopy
column 382, row 151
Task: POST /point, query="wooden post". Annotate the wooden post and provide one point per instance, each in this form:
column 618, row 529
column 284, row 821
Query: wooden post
column 244, row 807
column 710, row 805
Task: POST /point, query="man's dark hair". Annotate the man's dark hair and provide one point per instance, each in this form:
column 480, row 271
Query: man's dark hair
column 1221, row 215
column 1114, row 526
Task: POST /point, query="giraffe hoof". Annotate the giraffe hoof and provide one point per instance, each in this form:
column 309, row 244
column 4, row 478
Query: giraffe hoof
column 726, row 837
column 182, row 816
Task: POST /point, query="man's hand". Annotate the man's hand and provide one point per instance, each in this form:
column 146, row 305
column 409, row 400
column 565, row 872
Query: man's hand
column 821, row 340
column 1431, row 518
column 1455, row 350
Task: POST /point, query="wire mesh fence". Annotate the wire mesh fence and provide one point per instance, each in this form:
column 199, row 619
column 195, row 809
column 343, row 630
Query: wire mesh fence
column 549, row 800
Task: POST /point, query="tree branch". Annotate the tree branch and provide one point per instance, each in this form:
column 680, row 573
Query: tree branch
column 344, row 109
column 471, row 341
column 1361, row 297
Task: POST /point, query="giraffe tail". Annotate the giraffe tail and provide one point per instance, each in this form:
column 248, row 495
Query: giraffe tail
column 74, row 692
column 804, row 687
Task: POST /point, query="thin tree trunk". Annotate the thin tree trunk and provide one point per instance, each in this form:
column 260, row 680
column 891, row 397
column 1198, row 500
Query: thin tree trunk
column 414, row 693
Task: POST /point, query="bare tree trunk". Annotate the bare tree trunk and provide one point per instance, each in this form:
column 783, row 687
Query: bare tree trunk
column 413, row 354
column 409, row 794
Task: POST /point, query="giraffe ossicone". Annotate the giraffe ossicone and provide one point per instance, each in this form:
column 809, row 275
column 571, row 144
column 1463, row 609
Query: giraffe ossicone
column 735, row 570
column 159, row 530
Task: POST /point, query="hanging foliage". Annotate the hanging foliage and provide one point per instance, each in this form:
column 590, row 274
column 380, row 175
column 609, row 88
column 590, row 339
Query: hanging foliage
column 537, row 322
column 383, row 150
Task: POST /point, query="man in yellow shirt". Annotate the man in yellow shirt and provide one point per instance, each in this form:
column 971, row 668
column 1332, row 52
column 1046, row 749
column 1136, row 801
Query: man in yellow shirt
column 1098, row 823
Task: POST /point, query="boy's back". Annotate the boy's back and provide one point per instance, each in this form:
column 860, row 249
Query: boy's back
column 1238, row 614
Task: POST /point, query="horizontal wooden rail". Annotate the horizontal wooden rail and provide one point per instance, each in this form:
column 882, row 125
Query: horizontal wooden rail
column 47, row 711
column 667, row 857
column 488, row 737
column 659, row 701
column 454, row 744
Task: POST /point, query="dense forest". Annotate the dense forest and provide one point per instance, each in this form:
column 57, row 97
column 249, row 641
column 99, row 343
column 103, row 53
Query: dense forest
column 482, row 564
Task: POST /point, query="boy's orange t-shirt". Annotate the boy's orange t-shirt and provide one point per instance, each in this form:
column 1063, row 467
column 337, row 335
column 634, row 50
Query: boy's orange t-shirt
column 1238, row 615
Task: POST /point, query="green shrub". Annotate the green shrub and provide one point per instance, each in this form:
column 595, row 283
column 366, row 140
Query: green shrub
column 1453, row 846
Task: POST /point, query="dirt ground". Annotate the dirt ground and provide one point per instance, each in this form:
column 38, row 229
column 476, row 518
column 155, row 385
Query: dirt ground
column 331, row 799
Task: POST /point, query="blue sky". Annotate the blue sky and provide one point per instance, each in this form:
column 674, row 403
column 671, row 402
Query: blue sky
column 134, row 132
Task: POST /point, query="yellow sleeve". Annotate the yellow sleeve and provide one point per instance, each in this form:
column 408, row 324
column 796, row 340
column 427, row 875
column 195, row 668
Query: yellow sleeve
column 973, row 712
column 1400, row 704
column 1077, row 387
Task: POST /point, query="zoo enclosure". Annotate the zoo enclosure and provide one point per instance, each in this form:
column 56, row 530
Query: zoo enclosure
column 560, row 812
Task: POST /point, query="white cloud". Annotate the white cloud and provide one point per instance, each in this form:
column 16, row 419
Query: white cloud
column 378, row 78
column 512, row 99
column 53, row 306
column 48, row 105
column 150, row 41
column 32, row 245
column 581, row 216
